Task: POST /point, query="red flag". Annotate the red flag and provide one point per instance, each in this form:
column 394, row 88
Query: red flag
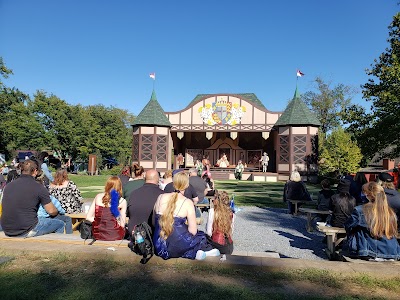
column 299, row 73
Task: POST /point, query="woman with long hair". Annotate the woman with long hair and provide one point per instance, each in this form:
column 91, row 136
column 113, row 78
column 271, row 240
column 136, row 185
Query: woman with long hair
column 220, row 223
column 372, row 227
column 66, row 192
column 342, row 204
column 172, row 236
column 108, row 212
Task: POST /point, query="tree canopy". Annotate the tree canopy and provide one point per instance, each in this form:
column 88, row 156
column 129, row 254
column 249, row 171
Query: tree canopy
column 380, row 129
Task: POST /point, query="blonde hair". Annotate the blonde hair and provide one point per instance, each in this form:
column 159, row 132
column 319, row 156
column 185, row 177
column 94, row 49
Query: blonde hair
column 60, row 177
column 222, row 214
column 112, row 183
column 386, row 185
column 168, row 174
column 295, row 176
column 181, row 183
column 380, row 218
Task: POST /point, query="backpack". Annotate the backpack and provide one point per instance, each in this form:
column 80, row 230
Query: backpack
column 85, row 230
column 144, row 248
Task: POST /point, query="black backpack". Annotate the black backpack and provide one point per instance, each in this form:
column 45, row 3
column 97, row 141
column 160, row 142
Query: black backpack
column 144, row 248
column 85, row 230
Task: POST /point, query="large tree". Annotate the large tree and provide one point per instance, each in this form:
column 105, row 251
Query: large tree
column 382, row 133
column 329, row 103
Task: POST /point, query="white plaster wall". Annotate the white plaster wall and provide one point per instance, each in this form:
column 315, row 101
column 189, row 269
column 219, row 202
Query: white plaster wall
column 283, row 130
column 259, row 116
column 147, row 164
column 162, row 130
column 313, row 130
column 186, row 117
column 283, row 167
column 248, row 115
column 197, row 120
column 299, row 130
column 174, row 118
column 147, row 130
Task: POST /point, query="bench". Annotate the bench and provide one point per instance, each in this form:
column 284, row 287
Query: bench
column 334, row 237
column 77, row 219
column 310, row 212
column 297, row 202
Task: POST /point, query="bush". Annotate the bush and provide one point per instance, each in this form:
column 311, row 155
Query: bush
column 112, row 172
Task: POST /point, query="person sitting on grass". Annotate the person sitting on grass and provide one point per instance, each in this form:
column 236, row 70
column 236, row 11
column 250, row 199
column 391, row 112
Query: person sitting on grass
column 372, row 227
column 108, row 212
column 172, row 236
column 295, row 189
column 220, row 223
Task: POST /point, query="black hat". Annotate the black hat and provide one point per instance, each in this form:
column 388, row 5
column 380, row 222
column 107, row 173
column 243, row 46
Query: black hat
column 385, row 177
column 174, row 172
column 344, row 186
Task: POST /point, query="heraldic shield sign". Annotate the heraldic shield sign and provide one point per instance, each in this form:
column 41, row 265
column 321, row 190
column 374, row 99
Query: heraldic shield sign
column 222, row 112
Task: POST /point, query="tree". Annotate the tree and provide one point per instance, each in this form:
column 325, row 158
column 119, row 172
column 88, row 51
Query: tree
column 4, row 71
column 329, row 104
column 383, row 89
column 339, row 153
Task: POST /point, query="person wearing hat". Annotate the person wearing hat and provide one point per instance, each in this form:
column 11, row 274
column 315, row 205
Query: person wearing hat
column 342, row 204
column 264, row 161
column 393, row 197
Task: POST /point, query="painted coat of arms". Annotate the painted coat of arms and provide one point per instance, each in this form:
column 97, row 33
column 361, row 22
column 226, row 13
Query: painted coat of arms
column 222, row 112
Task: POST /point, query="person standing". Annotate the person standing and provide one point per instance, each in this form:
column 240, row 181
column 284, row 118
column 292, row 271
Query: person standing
column 239, row 170
column 21, row 200
column 43, row 160
column 264, row 161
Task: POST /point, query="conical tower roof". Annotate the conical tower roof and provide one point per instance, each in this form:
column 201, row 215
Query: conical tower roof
column 152, row 114
column 297, row 113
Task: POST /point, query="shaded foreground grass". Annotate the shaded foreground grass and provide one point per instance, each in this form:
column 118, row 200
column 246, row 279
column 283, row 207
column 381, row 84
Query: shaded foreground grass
column 66, row 276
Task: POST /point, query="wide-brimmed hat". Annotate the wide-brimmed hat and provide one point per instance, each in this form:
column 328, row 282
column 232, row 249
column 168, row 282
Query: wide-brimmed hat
column 174, row 172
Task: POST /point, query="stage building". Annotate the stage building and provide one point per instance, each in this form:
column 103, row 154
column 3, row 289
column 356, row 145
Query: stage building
column 235, row 126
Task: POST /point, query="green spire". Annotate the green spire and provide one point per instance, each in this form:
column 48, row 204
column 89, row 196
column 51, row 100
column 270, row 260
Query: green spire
column 152, row 114
column 297, row 113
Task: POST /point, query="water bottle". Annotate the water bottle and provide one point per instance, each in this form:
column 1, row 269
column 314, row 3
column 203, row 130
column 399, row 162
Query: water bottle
column 139, row 238
column 232, row 203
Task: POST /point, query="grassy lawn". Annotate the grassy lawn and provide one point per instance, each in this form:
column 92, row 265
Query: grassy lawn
column 247, row 193
column 67, row 276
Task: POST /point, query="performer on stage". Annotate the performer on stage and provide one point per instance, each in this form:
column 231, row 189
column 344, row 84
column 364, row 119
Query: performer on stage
column 264, row 161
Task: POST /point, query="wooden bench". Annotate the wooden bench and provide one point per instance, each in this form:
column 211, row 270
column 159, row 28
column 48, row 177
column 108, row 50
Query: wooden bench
column 310, row 212
column 334, row 237
column 297, row 202
column 77, row 219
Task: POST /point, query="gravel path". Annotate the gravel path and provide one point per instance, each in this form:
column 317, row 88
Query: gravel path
column 273, row 230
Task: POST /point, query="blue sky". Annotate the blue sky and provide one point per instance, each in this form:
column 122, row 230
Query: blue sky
column 101, row 52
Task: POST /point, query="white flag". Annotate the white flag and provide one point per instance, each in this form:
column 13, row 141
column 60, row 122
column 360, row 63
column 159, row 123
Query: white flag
column 153, row 76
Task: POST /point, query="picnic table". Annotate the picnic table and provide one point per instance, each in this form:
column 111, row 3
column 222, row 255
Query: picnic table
column 77, row 219
column 334, row 237
column 310, row 212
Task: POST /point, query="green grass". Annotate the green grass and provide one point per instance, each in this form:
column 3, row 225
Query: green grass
column 247, row 193
column 65, row 276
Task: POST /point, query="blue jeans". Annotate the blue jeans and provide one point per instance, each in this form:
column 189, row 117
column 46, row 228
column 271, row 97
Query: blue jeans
column 67, row 222
column 47, row 225
column 204, row 201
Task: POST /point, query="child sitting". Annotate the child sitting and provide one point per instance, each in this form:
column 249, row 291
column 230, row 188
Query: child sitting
column 220, row 223
column 42, row 213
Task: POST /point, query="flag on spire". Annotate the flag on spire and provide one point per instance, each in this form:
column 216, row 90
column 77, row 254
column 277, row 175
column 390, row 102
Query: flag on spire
column 153, row 76
column 299, row 73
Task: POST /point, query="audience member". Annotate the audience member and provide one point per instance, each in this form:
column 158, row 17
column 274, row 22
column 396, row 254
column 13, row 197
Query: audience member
column 66, row 192
column 372, row 227
column 141, row 201
column 359, row 180
column 199, row 167
column 393, row 196
column 167, row 179
column 199, row 185
column 342, row 204
column 210, row 184
column 324, row 198
column 220, row 223
column 135, row 182
column 42, row 213
column 190, row 192
column 295, row 189
column 43, row 160
column 125, row 174
column 12, row 175
column 172, row 237
column 108, row 212
column 21, row 199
